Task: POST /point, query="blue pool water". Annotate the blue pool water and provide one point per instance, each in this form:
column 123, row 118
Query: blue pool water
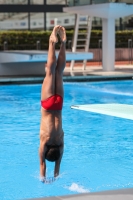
column 98, row 151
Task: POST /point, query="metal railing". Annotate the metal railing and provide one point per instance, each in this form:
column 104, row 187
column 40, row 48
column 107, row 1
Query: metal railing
column 100, row 51
column 130, row 46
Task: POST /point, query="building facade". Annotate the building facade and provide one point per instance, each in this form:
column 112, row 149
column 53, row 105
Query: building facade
column 44, row 14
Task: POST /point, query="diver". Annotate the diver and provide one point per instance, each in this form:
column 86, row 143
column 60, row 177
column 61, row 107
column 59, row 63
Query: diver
column 52, row 93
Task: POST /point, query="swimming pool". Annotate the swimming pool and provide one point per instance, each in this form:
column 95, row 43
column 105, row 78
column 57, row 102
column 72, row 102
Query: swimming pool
column 98, row 152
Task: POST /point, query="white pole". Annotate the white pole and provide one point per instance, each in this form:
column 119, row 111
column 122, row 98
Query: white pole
column 55, row 21
column 88, row 39
column 75, row 40
column 108, row 44
column 75, row 34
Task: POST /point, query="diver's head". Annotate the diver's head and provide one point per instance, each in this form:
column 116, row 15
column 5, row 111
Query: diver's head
column 53, row 153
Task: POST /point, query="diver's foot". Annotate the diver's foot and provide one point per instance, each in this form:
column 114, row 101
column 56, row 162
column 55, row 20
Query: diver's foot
column 53, row 36
column 62, row 34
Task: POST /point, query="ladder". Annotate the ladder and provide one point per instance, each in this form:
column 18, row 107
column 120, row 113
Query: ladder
column 81, row 38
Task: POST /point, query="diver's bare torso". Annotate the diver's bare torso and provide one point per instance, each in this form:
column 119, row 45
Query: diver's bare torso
column 51, row 127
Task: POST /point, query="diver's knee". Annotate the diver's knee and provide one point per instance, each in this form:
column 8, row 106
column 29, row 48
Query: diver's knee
column 50, row 68
column 59, row 71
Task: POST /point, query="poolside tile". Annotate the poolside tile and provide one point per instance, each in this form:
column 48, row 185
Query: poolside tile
column 90, row 197
column 44, row 198
column 74, row 196
column 103, row 197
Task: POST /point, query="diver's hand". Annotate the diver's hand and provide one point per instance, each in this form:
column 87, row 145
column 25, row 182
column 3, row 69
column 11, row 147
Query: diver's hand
column 48, row 180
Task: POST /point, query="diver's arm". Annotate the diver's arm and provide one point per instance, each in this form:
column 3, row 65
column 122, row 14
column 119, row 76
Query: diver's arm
column 42, row 160
column 42, row 169
column 57, row 163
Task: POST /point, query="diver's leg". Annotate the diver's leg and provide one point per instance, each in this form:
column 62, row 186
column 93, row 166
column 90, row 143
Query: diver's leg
column 61, row 63
column 48, row 86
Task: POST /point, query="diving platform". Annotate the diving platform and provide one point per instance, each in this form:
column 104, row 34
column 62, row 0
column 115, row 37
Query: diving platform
column 108, row 12
column 116, row 110
column 25, row 63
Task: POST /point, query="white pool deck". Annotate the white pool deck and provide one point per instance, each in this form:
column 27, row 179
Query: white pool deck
column 122, row 194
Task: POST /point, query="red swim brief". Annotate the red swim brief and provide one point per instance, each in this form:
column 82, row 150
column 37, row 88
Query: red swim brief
column 54, row 102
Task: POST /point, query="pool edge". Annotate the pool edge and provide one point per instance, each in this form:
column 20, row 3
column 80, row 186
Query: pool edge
column 120, row 194
column 39, row 79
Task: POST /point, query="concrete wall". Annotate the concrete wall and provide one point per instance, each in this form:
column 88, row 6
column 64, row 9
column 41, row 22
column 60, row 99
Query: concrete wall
column 22, row 69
